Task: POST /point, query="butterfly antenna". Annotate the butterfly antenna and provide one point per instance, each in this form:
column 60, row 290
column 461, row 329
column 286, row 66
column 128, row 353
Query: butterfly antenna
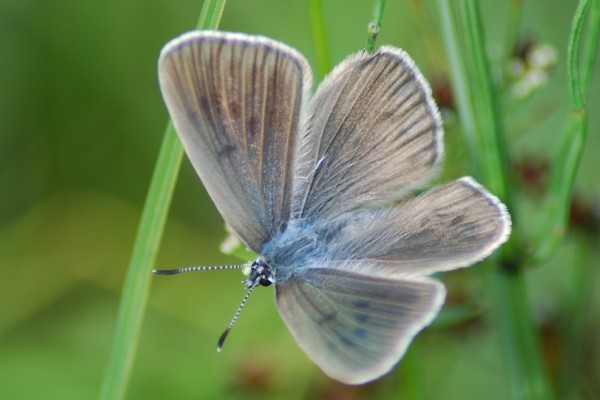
column 235, row 317
column 195, row 269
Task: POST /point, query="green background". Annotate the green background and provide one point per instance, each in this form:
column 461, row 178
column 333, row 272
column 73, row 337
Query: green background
column 81, row 121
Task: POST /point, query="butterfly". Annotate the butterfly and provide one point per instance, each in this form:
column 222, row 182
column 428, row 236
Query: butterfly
column 321, row 187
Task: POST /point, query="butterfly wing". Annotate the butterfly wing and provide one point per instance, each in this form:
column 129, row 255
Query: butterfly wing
column 374, row 134
column 355, row 327
column 447, row 227
column 235, row 101
column 355, row 302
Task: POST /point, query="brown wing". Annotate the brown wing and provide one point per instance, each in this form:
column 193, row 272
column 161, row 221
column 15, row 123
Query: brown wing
column 374, row 134
column 235, row 101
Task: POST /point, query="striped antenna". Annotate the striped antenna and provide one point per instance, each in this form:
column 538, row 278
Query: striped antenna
column 235, row 316
column 195, row 269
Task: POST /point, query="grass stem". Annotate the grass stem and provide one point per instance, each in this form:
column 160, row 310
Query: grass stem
column 137, row 281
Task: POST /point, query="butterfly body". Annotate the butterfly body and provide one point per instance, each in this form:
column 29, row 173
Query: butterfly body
column 298, row 246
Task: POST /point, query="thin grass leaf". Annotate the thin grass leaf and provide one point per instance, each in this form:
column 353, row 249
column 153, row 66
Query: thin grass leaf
column 591, row 47
column 458, row 73
column 481, row 118
column 575, row 89
column 566, row 162
column 578, row 327
column 375, row 24
column 560, row 193
column 137, row 282
column 319, row 33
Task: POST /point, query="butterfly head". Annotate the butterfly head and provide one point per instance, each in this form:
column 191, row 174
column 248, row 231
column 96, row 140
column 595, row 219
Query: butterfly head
column 259, row 273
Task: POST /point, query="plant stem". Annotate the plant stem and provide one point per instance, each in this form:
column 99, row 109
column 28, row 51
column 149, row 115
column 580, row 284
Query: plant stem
column 481, row 117
column 528, row 378
column 458, row 74
column 137, row 282
column 317, row 22
column 518, row 340
column 591, row 46
column 576, row 91
column 566, row 162
column 375, row 25
column 578, row 316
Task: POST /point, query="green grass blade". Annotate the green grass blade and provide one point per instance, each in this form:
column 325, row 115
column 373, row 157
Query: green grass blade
column 527, row 377
column 579, row 314
column 459, row 75
column 566, row 162
column 560, row 188
column 490, row 145
column 579, row 309
column 591, row 46
column 576, row 91
column 518, row 340
column 375, row 24
column 320, row 42
column 481, row 118
column 137, row 282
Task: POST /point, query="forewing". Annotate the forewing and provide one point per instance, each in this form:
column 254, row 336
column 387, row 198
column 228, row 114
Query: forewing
column 374, row 133
column 355, row 327
column 447, row 227
column 235, row 101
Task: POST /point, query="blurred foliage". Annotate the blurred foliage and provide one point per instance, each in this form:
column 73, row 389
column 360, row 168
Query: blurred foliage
column 82, row 121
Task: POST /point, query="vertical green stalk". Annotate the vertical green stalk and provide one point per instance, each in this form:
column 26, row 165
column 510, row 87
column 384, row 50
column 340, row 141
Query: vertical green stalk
column 576, row 90
column 527, row 376
column 560, row 193
column 137, row 282
column 459, row 75
column 375, row 25
column 518, row 340
column 590, row 46
column 578, row 316
column 319, row 33
column 481, row 117
column 491, row 154
column 566, row 161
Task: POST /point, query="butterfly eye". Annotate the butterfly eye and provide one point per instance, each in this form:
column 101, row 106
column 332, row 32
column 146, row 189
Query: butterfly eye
column 266, row 281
